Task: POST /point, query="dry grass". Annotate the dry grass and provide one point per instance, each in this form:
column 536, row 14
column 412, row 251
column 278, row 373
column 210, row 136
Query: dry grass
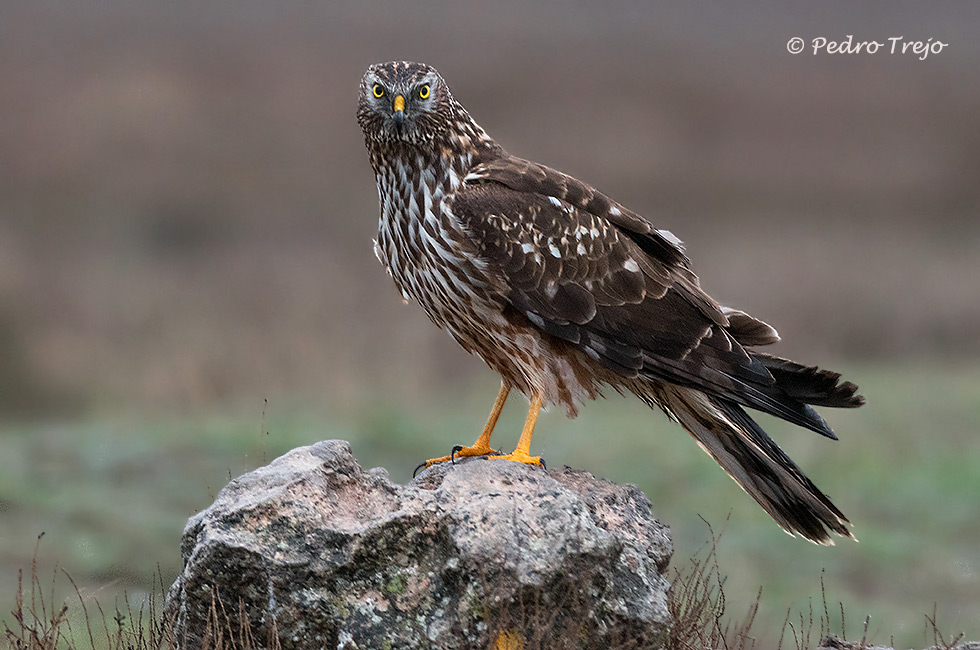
column 697, row 604
column 696, row 601
column 39, row 623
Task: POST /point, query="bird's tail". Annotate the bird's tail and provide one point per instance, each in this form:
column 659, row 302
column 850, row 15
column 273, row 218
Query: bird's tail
column 752, row 458
column 809, row 384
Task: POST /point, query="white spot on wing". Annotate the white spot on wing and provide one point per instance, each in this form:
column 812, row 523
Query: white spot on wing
column 671, row 237
column 614, row 211
column 534, row 318
column 581, row 249
column 631, row 265
column 527, row 248
column 555, row 202
column 554, row 250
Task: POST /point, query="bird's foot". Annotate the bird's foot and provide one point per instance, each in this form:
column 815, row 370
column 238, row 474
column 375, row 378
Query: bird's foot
column 459, row 451
column 520, row 456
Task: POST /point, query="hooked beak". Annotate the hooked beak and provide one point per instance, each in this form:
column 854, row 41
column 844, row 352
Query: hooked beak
column 399, row 111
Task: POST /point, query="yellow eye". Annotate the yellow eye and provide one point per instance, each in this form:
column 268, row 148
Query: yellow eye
column 378, row 91
column 424, row 91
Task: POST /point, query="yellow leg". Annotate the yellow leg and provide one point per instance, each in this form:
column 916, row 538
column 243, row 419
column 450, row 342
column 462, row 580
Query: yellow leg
column 523, row 452
column 482, row 445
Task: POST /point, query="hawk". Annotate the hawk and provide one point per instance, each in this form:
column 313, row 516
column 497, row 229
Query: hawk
column 564, row 292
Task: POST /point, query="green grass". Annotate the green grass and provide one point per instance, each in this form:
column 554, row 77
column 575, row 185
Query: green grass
column 112, row 494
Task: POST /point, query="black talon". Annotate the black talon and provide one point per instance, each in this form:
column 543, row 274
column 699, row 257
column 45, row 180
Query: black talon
column 421, row 465
column 544, row 465
column 452, row 454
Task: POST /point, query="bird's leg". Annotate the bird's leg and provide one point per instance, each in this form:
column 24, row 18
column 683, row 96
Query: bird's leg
column 523, row 452
column 482, row 445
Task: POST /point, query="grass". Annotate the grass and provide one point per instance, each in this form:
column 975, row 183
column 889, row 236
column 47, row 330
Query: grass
column 112, row 493
column 696, row 601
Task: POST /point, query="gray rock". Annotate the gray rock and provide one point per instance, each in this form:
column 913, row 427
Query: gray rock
column 834, row 642
column 480, row 554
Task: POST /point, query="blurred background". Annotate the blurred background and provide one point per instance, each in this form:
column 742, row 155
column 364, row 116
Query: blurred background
column 187, row 286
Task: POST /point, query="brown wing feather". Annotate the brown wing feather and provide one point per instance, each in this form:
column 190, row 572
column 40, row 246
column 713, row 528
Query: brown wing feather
column 534, row 178
column 664, row 260
column 564, row 266
column 587, row 270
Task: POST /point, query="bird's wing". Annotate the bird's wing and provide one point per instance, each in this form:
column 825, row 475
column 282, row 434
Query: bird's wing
column 529, row 177
column 585, row 269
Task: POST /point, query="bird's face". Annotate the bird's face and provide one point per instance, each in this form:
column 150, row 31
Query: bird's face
column 402, row 101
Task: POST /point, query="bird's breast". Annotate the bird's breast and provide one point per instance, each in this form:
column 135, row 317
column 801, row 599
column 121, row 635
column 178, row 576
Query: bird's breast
column 423, row 247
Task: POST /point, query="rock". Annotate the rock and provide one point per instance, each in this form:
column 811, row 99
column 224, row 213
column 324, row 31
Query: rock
column 834, row 642
column 481, row 554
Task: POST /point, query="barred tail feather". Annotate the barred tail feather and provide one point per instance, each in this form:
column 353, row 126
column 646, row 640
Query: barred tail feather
column 752, row 458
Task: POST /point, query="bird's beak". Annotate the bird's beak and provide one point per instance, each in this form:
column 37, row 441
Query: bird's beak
column 399, row 108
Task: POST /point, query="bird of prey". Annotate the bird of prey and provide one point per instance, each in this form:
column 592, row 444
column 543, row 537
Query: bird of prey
column 563, row 292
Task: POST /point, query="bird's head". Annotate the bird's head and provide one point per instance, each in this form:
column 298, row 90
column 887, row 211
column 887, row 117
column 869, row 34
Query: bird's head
column 403, row 101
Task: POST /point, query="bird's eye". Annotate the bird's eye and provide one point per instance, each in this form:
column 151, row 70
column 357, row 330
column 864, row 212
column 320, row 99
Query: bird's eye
column 378, row 91
column 424, row 92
